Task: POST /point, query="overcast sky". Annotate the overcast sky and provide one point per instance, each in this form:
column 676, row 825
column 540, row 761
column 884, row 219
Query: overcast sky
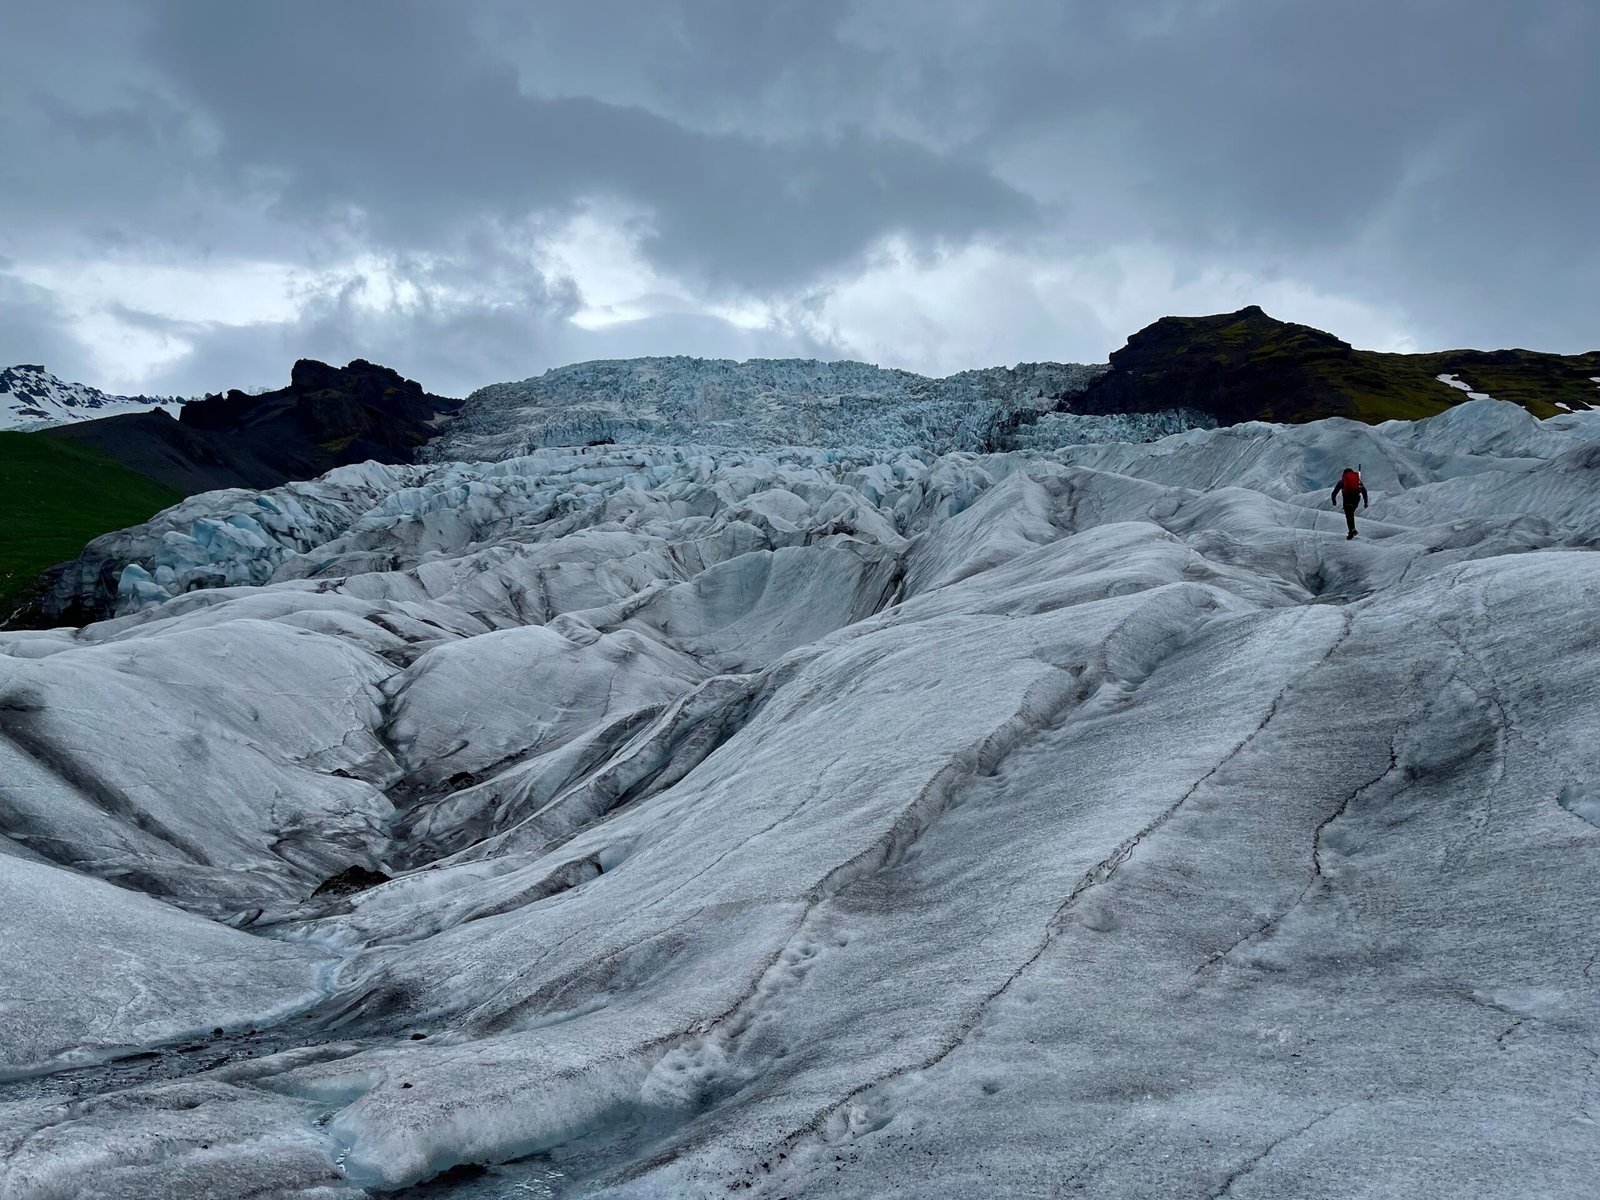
column 194, row 194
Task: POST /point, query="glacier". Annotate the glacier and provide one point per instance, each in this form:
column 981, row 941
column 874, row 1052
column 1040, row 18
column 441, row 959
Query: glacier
column 825, row 822
column 772, row 402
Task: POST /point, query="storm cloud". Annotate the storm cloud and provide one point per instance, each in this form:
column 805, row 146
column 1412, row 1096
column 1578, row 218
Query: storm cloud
column 194, row 194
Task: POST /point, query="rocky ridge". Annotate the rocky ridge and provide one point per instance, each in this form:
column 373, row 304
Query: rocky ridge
column 1248, row 366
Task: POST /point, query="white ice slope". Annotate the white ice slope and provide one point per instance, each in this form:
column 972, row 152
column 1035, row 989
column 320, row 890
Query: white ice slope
column 32, row 398
column 767, row 402
column 811, row 823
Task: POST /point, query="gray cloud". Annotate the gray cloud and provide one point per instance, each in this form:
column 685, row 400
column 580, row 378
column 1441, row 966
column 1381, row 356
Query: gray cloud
column 453, row 347
column 1426, row 163
column 419, row 126
column 33, row 327
column 1433, row 156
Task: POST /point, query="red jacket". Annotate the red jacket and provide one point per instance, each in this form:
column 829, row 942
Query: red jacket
column 1350, row 493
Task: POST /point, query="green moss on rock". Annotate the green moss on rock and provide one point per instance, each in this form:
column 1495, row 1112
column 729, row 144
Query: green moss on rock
column 1248, row 366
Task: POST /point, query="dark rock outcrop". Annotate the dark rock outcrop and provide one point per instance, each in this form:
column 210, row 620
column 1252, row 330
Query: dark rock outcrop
column 167, row 450
column 327, row 417
column 1248, row 366
column 355, row 878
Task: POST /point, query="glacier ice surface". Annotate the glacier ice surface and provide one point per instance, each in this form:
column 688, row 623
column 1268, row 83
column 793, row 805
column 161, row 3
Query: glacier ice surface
column 768, row 402
column 821, row 822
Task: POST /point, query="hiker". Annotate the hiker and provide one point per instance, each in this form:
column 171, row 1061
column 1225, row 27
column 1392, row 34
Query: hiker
column 1352, row 487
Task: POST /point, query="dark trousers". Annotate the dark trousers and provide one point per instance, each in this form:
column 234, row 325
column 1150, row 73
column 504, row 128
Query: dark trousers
column 1350, row 503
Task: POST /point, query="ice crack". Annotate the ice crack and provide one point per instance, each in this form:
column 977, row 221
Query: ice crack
column 838, row 1115
column 1249, row 1166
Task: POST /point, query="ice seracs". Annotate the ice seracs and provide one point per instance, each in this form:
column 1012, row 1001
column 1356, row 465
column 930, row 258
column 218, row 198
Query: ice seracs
column 814, row 822
column 760, row 403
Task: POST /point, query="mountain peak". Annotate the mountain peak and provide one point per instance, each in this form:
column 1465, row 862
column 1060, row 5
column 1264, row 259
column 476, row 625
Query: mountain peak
column 1250, row 366
column 32, row 398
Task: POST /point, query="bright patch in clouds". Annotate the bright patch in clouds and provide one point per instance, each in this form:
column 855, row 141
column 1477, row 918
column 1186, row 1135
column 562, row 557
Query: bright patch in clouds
column 1130, row 286
column 129, row 316
column 600, row 253
column 986, row 305
column 124, row 353
column 223, row 293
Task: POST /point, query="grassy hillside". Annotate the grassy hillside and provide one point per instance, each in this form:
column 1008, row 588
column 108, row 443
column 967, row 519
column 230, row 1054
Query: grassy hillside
column 1526, row 377
column 1248, row 366
column 55, row 497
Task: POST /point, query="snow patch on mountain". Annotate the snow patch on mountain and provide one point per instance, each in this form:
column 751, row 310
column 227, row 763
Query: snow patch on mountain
column 31, row 398
column 1461, row 385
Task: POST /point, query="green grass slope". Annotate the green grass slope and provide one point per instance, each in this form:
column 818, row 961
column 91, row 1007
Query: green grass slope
column 54, row 498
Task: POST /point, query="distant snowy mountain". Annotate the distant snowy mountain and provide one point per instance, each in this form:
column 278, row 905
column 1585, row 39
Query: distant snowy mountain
column 761, row 403
column 33, row 398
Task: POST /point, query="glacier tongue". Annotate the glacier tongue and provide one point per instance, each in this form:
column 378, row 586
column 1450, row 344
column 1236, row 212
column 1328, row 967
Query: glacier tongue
column 771, row 402
column 828, row 823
